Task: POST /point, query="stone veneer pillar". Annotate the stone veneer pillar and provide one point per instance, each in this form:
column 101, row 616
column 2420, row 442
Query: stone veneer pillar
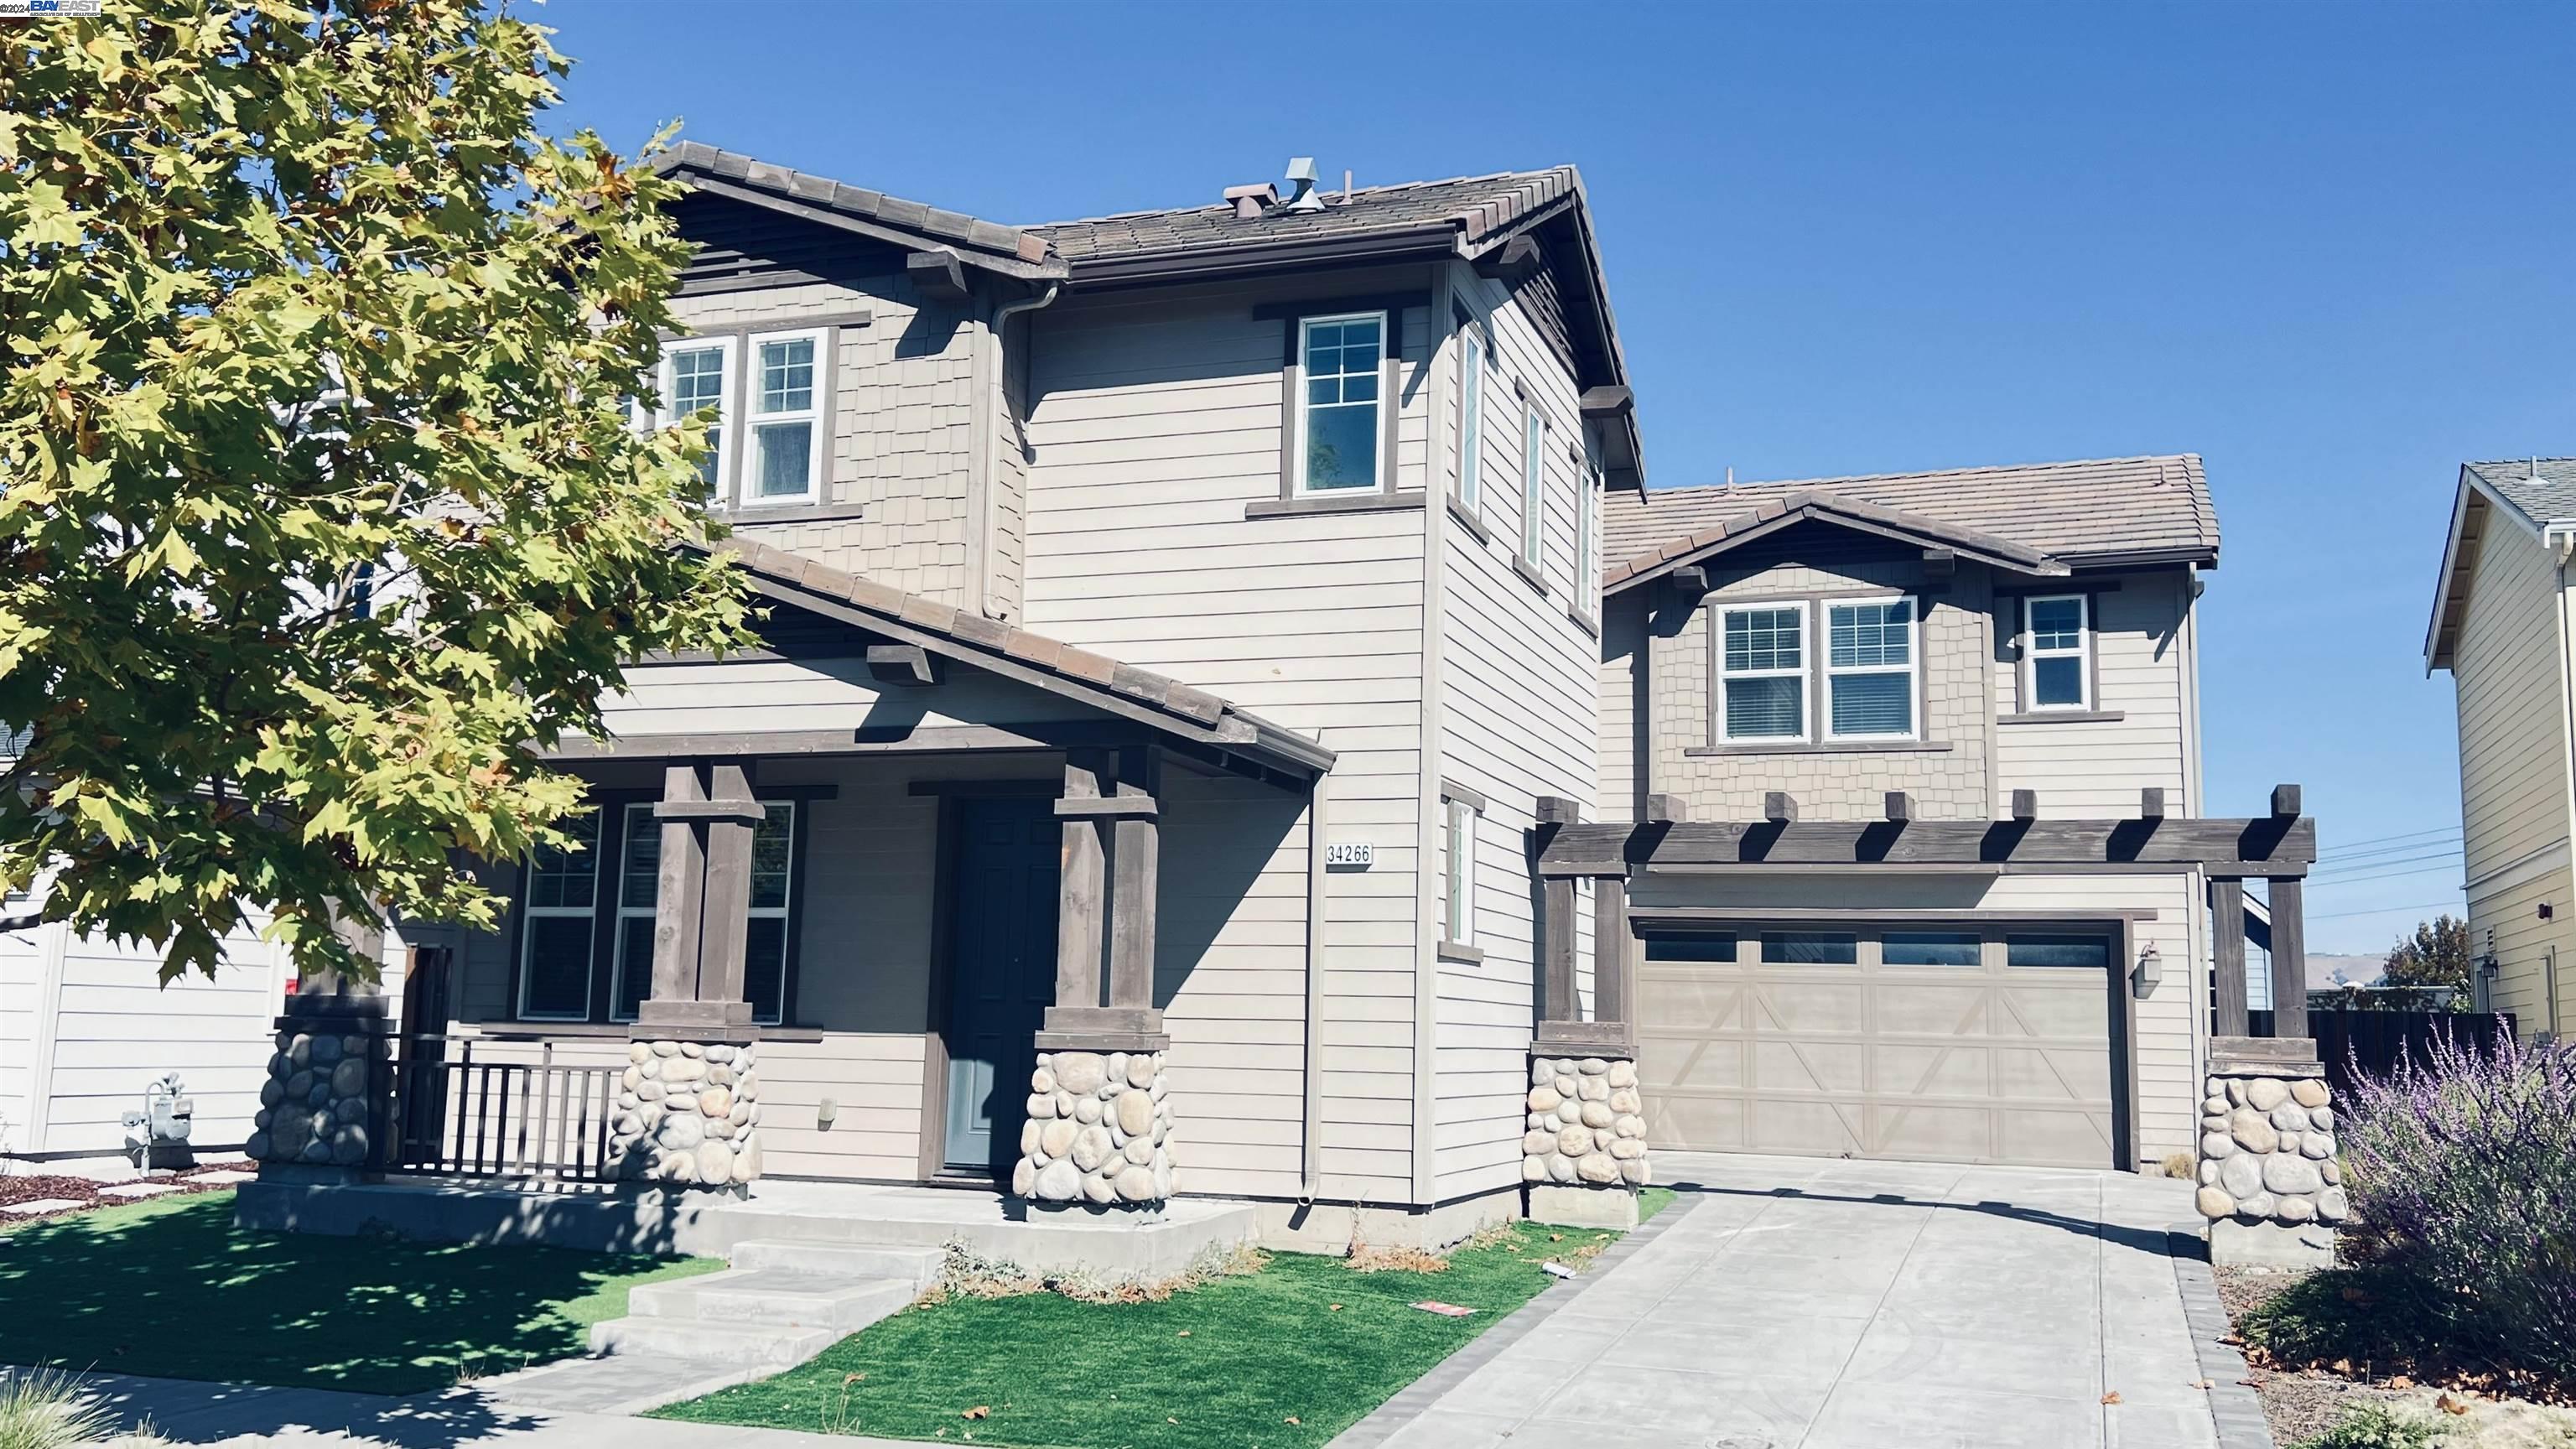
column 322, row 1111
column 688, row 1114
column 2269, row 1182
column 1584, row 1153
column 1099, row 1131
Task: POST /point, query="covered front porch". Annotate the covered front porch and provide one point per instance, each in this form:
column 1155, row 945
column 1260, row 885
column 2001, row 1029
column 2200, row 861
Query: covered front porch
column 885, row 901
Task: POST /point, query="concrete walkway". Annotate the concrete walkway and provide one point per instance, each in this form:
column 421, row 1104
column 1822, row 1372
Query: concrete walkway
column 1806, row 1304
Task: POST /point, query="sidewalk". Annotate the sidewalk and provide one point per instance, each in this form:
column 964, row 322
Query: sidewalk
column 187, row 1412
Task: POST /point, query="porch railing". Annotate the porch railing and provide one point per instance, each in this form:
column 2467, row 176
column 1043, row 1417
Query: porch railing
column 498, row 1114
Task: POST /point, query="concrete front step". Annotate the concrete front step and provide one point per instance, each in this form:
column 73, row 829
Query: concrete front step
column 774, row 1298
column 700, row 1341
column 916, row 1266
column 625, row 1384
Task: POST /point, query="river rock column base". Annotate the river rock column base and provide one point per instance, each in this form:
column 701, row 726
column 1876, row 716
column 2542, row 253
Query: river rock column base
column 2270, row 1186
column 1583, row 1155
column 320, row 1109
column 1099, row 1132
column 688, row 1115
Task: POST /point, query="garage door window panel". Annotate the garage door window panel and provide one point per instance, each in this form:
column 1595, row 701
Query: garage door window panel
column 1810, row 948
column 1929, row 948
column 2090, row 952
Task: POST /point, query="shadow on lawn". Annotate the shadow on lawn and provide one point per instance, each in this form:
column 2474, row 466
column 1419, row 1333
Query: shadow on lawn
column 176, row 1290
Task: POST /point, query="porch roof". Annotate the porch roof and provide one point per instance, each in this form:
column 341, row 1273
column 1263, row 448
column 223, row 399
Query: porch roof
column 1093, row 680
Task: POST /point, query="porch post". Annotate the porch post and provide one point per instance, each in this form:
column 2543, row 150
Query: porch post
column 689, row 1105
column 1099, row 1110
column 1583, row 1154
column 2289, row 957
column 2227, row 937
column 325, row 1110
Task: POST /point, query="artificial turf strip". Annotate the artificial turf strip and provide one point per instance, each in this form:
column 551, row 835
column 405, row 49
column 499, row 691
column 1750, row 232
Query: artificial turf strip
column 173, row 1288
column 1264, row 1361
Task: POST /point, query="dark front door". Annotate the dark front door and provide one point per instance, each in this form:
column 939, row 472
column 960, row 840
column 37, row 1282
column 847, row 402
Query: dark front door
column 1002, row 974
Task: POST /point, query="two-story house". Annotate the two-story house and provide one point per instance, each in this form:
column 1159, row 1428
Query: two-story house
column 1174, row 620
column 1846, row 669
column 2500, row 628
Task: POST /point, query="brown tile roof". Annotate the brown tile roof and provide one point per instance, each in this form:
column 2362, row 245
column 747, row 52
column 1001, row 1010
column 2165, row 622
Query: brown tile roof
column 1477, row 206
column 1767, row 514
column 2097, row 510
column 2543, row 488
column 1020, row 249
column 1070, row 670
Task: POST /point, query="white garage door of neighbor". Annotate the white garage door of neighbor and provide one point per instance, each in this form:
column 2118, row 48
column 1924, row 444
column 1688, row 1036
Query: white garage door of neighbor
column 1958, row 1045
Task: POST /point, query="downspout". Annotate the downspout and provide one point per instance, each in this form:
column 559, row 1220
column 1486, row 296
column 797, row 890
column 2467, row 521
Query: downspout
column 2560, row 539
column 1317, row 879
column 980, row 559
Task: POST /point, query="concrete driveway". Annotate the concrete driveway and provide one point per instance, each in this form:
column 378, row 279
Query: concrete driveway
column 1803, row 1304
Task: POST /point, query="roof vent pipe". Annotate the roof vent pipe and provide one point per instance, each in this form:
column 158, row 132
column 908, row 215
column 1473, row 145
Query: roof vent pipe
column 1302, row 171
column 1250, row 202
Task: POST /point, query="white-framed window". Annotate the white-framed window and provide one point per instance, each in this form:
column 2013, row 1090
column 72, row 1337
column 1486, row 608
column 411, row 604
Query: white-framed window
column 639, row 888
column 1870, row 663
column 1458, row 873
column 1337, row 413
column 2057, row 660
column 697, row 376
column 773, row 876
column 787, row 389
column 1471, row 414
column 1587, row 540
column 1762, row 672
column 1533, row 484
column 555, row 932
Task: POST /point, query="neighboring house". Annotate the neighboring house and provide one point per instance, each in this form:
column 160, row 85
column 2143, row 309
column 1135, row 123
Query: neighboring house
column 2500, row 626
column 1265, row 534
column 1896, row 652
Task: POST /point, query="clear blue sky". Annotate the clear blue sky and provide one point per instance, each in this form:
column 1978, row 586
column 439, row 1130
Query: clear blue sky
column 2331, row 248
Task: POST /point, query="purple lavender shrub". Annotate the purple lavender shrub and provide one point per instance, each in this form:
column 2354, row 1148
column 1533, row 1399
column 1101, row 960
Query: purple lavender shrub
column 2462, row 1171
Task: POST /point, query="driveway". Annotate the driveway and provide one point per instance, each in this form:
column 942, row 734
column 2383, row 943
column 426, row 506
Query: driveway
column 1804, row 1304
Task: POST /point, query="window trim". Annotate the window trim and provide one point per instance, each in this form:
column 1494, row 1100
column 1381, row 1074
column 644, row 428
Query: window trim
column 1475, row 359
column 1534, row 430
column 1913, row 670
column 1587, row 536
column 524, row 929
column 818, row 413
column 1458, row 872
column 1805, row 669
column 2082, row 654
column 728, row 399
column 1383, row 475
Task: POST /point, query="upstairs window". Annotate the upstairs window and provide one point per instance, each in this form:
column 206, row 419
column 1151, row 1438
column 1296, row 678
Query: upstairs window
column 696, row 378
column 1587, row 541
column 786, row 425
column 1869, row 670
column 1533, row 484
column 1471, row 413
column 2057, row 661
column 1337, row 418
column 1762, row 673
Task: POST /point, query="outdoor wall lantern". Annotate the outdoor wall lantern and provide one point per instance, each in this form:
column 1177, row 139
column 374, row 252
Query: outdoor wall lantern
column 2150, row 970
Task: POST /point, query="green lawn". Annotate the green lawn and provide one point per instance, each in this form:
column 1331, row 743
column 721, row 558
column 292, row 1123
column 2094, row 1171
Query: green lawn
column 1265, row 1361
column 173, row 1288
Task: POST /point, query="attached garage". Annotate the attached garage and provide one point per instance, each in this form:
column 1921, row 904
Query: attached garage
column 1966, row 1042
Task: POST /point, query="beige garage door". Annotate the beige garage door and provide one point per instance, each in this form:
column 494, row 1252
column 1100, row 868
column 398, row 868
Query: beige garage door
column 1941, row 1045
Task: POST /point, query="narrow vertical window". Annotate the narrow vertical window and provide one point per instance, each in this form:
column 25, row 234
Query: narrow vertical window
column 639, row 887
column 2058, row 659
column 1869, row 670
column 696, row 379
column 1458, row 851
column 786, row 421
column 1762, row 673
column 764, row 971
column 1587, row 541
column 556, row 934
column 1533, row 484
column 1471, row 413
column 1337, row 415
